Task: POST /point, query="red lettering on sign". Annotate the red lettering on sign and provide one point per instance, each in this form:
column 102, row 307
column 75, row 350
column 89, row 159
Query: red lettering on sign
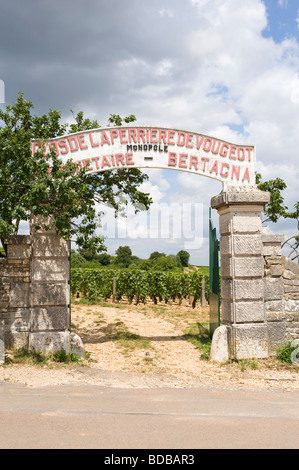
column 222, row 172
column 189, row 140
column 181, row 139
column 113, row 134
column 198, row 142
column 246, row 176
column 96, row 159
column 74, row 146
column 81, row 142
column 119, row 158
column 205, row 160
column 154, row 136
column 213, row 147
column 233, row 149
column 171, row 136
column 54, row 143
column 224, row 150
column 241, row 158
column 182, row 160
column 162, row 136
column 86, row 161
column 172, row 159
column 214, row 167
column 122, row 135
column 193, row 162
column 236, row 171
column 62, row 143
column 129, row 160
column 105, row 139
column 132, row 135
column 141, row 135
column 249, row 149
column 208, row 144
column 93, row 144
column 105, row 161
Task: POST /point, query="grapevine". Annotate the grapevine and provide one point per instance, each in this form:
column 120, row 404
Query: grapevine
column 96, row 284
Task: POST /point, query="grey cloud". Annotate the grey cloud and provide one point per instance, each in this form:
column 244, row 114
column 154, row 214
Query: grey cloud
column 61, row 53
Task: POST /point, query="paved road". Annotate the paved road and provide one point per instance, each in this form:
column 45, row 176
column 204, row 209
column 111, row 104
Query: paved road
column 87, row 416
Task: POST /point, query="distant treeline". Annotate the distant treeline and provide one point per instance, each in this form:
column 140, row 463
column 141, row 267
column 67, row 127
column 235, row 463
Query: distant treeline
column 124, row 258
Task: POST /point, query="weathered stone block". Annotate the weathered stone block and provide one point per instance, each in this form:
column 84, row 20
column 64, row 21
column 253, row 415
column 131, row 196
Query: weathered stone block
column 227, row 312
column 226, row 267
column 251, row 311
column 247, row 245
column 249, row 267
column 274, row 305
column 49, row 318
column 50, row 269
column 54, row 342
column 247, row 222
column 248, row 289
column 250, row 341
column 47, row 293
column 14, row 339
column 18, row 252
column 219, row 348
column 276, row 336
column 49, row 245
column 226, row 289
column 290, row 265
column 2, row 349
column 225, row 245
column 243, row 312
column 19, row 295
column 292, row 306
column 273, row 288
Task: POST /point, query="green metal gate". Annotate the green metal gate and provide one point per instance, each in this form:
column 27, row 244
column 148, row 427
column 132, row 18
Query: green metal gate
column 214, row 277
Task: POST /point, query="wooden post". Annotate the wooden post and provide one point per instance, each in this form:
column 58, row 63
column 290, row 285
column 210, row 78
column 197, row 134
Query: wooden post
column 114, row 290
column 203, row 293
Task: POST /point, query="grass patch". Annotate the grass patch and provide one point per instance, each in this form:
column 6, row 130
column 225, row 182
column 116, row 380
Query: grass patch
column 199, row 336
column 23, row 356
column 288, row 352
column 243, row 364
column 130, row 341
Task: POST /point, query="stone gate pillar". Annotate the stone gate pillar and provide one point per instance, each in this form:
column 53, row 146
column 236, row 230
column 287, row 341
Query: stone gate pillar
column 50, row 293
column 243, row 323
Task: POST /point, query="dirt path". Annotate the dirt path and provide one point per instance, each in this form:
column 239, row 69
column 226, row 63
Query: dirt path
column 145, row 346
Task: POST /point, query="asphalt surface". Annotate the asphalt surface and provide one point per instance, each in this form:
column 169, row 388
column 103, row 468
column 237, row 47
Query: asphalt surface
column 94, row 417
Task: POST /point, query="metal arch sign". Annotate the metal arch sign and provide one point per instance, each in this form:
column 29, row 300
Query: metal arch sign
column 157, row 147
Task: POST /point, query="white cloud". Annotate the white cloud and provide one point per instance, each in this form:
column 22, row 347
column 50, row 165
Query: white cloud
column 168, row 12
column 283, row 3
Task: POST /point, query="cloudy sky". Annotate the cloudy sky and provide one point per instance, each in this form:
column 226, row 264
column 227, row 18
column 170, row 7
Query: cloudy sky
column 225, row 68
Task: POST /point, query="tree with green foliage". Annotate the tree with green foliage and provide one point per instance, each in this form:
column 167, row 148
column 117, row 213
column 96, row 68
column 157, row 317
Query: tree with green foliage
column 123, row 256
column 277, row 208
column 183, row 256
column 40, row 185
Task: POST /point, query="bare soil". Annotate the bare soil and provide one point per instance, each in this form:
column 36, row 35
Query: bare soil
column 137, row 346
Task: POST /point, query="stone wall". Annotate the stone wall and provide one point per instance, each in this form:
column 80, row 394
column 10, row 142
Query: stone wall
column 15, row 292
column 281, row 293
column 35, row 295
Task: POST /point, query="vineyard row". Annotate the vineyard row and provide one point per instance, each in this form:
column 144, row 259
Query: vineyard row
column 138, row 285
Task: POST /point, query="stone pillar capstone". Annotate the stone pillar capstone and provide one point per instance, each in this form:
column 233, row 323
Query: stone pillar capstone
column 242, row 273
